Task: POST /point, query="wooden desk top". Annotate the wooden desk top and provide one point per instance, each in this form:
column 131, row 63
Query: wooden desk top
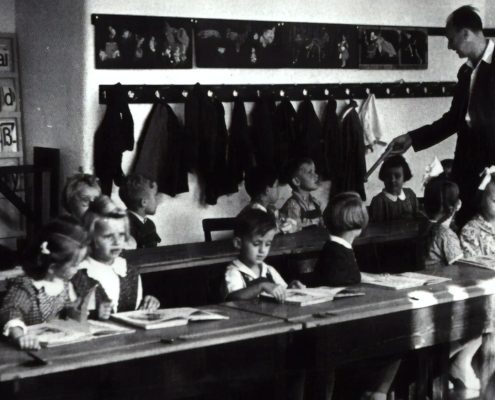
column 466, row 282
column 249, row 320
column 242, row 325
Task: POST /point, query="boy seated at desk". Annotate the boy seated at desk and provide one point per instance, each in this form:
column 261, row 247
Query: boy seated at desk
column 248, row 276
column 139, row 194
column 262, row 186
column 302, row 206
column 345, row 217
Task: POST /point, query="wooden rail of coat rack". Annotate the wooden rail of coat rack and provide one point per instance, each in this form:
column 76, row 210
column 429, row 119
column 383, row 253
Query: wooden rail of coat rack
column 227, row 93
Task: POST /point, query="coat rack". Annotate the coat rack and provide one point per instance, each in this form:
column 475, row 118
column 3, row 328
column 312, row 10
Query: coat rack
column 227, row 93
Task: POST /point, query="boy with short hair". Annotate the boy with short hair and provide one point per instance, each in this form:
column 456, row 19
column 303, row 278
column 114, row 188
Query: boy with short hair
column 302, row 206
column 262, row 185
column 248, row 276
column 139, row 194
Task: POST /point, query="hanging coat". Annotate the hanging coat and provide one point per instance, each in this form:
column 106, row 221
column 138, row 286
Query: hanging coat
column 370, row 121
column 161, row 151
column 192, row 125
column 114, row 136
column 310, row 139
column 262, row 132
column 213, row 176
column 332, row 139
column 285, row 134
column 240, row 147
column 351, row 177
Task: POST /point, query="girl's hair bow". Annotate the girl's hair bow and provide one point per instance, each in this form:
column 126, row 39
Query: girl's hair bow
column 486, row 175
column 44, row 248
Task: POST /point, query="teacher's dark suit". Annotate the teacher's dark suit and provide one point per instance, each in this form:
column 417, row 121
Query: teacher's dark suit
column 475, row 148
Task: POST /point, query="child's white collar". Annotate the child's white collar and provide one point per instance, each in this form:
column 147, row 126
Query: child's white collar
column 393, row 197
column 258, row 206
column 139, row 217
column 248, row 271
column 341, row 241
column 51, row 288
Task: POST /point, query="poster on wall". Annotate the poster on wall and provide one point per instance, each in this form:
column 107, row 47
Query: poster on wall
column 239, row 44
column 140, row 42
column 322, row 46
column 393, row 47
column 269, row 44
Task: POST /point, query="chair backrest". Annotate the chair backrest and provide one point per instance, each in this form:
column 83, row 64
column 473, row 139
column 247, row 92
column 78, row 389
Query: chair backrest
column 216, row 225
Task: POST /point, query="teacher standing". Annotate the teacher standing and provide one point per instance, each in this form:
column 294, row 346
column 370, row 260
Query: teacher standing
column 471, row 114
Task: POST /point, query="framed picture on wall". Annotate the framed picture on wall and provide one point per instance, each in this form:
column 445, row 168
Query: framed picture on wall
column 137, row 42
column 321, row 46
column 379, row 47
column 239, row 44
column 413, row 52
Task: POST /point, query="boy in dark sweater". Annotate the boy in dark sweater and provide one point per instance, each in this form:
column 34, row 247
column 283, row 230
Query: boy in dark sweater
column 345, row 217
column 139, row 194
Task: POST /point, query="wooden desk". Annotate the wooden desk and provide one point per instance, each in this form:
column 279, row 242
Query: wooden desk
column 384, row 322
column 192, row 255
column 141, row 344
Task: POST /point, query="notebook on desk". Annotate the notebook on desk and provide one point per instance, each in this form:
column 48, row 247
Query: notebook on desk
column 487, row 262
column 166, row 317
column 309, row 296
column 404, row 280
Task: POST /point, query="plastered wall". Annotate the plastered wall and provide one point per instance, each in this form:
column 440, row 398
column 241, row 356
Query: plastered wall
column 61, row 94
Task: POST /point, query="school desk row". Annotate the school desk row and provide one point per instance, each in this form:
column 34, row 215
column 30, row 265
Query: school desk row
column 191, row 255
column 380, row 323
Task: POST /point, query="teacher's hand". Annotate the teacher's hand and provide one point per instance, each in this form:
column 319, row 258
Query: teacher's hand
column 399, row 145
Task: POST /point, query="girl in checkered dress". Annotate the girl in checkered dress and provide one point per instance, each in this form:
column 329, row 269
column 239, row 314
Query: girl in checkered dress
column 44, row 291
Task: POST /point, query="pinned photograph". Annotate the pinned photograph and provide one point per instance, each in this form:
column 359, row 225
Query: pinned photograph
column 379, row 47
column 142, row 42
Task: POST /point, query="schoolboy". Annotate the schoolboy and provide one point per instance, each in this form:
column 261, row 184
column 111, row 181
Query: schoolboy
column 139, row 194
column 302, row 206
column 248, row 276
column 262, row 186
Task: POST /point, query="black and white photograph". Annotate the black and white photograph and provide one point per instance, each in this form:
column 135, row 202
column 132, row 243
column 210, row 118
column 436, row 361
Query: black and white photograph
column 247, row 200
column 142, row 42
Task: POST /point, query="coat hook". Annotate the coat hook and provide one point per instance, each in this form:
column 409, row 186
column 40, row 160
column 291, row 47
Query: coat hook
column 282, row 93
column 157, row 94
column 347, row 91
column 326, row 92
column 131, row 94
column 408, row 91
column 305, row 92
column 185, row 93
column 425, row 89
column 258, row 93
column 234, row 93
column 387, row 90
column 209, row 93
column 105, row 94
column 368, row 91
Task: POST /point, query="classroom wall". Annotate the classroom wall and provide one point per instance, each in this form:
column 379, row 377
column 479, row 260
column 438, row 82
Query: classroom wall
column 61, row 94
column 7, row 16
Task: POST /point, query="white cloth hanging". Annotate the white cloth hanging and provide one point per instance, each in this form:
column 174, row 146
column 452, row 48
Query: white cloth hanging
column 371, row 122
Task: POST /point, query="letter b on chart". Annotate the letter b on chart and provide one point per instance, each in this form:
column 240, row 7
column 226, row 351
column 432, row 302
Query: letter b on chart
column 8, row 135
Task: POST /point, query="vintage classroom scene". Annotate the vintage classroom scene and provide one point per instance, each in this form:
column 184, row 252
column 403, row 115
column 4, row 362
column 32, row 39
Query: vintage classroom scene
column 209, row 200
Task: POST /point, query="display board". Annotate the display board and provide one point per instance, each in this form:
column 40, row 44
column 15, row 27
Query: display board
column 12, row 224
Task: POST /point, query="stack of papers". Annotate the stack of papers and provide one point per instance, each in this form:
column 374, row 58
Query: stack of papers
column 405, row 280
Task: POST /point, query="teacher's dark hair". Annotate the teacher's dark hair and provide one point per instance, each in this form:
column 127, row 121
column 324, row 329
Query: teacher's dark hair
column 465, row 17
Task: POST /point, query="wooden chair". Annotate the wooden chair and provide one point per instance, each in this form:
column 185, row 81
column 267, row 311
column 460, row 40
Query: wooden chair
column 216, row 225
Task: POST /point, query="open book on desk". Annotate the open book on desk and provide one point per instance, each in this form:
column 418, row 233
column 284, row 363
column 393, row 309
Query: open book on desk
column 309, row 296
column 58, row 332
column 404, row 280
column 166, row 317
column 487, row 262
